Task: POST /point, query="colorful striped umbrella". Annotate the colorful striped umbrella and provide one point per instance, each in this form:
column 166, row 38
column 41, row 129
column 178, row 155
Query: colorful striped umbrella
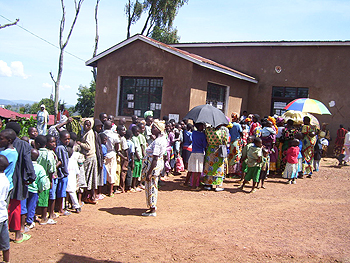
column 308, row 105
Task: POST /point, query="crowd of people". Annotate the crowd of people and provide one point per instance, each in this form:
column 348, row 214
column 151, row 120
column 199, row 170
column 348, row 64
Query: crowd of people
column 55, row 174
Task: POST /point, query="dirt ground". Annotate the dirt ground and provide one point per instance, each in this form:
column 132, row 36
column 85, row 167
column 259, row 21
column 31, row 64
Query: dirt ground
column 305, row 222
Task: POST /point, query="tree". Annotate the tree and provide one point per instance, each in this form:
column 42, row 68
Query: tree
column 165, row 35
column 63, row 45
column 86, row 100
column 9, row 24
column 94, row 70
column 49, row 106
column 25, row 109
column 160, row 18
column 133, row 10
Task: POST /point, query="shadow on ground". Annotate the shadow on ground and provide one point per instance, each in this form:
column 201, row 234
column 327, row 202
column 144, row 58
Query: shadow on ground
column 69, row 258
column 123, row 211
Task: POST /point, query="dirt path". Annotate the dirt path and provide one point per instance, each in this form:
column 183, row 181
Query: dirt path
column 306, row 222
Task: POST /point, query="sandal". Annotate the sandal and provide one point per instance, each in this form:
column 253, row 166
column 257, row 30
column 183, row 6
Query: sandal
column 25, row 237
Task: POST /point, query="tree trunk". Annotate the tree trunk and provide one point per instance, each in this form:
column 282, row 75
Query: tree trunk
column 94, row 69
column 62, row 47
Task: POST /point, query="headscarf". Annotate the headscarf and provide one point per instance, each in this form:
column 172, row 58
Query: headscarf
column 234, row 116
column 91, row 120
column 248, row 119
column 160, row 125
column 273, row 120
column 280, row 120
column 148, row 113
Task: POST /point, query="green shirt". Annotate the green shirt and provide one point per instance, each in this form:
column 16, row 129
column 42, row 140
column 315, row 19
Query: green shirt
column 41, row 182
column 47, row 160
column 138, row 149
column 253, row 154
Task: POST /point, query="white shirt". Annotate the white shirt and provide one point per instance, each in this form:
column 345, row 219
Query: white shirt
column 347, row 139
column 4, row 191
column 112, row 139
column 158, row 146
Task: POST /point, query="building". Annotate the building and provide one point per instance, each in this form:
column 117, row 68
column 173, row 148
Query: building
column 142, row 74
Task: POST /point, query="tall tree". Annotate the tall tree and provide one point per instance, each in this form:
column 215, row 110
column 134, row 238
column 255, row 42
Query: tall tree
column 86, row 100
column 133, row 10
column 63, row 45
column 9, row 24
column 160, row 18
column 94, row 70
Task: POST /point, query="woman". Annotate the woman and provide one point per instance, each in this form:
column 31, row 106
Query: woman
column 309, row 141
column 236, row 133
column 153, row 165
column 214, row 166
column 325, row 137
column 339, row 141
column 255, row 127
column 88, row 146
column 287, row 135
column 42, row 120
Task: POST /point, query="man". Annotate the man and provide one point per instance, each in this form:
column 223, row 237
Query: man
column 23, row 175
column 62, row 111
column 43, row 119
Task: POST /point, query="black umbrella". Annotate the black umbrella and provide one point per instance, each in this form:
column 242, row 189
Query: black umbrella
column 207, row 114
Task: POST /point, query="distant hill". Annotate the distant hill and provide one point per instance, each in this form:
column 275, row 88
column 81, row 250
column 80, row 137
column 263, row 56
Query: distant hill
column 14, row 102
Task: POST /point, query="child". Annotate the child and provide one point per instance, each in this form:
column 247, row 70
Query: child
column 112, row 144
column 33, row 133
column 244, row 160
column 317, row 153
column 73, row 172
column 291, row 170
column 137, row 159
column 264, row 167
column 196, row 160
column 7, row 137
column 177, row 145
column 103, row 139
column 4, row 191
column 131, row 152
column 47, row 159
column 124, row 159
column 88, row 148
column 62, row 172
column 187, row 144
column 299, row 136
column 40, row 184
column 254, row 156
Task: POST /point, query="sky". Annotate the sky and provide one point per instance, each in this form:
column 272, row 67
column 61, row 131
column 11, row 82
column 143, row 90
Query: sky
column 26, row 60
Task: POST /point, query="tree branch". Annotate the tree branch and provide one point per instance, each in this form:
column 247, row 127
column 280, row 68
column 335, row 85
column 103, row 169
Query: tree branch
column 10, row 24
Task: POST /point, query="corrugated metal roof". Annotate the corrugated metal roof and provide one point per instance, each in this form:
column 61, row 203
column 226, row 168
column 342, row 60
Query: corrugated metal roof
column 263, row 43
column 201, row 61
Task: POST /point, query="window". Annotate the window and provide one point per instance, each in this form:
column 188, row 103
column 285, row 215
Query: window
column 138, row 95
column 281, row 96
column 216, row 96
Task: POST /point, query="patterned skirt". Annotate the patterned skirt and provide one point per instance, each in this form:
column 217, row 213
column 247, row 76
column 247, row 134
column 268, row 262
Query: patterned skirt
column 214, row 167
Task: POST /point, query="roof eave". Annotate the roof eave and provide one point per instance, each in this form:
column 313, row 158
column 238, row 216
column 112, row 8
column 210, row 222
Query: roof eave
column 93, row 62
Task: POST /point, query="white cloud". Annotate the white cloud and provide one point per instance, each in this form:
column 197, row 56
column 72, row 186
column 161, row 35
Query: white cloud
column 64, row 87
column 4, row 69
column 16, row 69
column 47, row 85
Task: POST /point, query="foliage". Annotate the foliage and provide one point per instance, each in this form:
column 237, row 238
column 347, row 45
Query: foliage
column 160, row 17
column 133, row 11
column 26, row 109
column 49, row 106
column 24, row 123
column 165, row 35
column 86, row 100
